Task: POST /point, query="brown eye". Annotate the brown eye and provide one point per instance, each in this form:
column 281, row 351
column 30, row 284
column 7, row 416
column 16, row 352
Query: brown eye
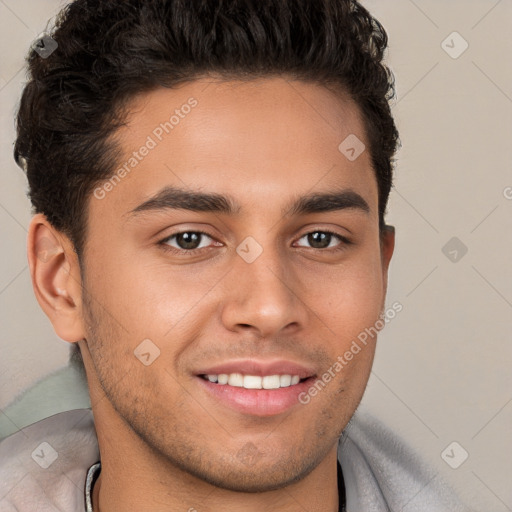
column 185, row 240
column 322, row 239
column 319, row 239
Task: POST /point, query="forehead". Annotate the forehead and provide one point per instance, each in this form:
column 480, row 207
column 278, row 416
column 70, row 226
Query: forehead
column 256, row 140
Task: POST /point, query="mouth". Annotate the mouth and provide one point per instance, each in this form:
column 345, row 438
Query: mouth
column 256, row 387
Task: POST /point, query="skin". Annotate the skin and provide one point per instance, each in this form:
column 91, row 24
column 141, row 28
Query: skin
column 165, row 443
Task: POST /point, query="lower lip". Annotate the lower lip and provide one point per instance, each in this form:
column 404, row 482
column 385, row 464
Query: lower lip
column 258, row 402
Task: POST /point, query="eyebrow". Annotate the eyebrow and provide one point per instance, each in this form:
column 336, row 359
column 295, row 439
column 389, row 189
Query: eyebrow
column 173, row 198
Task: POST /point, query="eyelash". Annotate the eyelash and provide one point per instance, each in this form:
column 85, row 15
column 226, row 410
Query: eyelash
column 167, row 248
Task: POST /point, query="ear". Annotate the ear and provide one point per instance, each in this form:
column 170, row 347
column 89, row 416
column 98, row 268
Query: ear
column 56, row 279
column 387, row 246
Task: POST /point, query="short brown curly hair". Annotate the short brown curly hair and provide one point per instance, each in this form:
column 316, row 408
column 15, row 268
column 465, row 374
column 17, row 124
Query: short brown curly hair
column 110, row 50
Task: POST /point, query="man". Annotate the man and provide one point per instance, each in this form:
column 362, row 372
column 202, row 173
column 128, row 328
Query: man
column 209, row 182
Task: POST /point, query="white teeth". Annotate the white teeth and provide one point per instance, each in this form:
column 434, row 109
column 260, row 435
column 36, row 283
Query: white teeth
column 285, row 380
column 254, row 381
column 271, row 382
column 236, row 379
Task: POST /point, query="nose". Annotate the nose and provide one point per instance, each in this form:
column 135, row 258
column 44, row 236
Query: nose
column 263, row 296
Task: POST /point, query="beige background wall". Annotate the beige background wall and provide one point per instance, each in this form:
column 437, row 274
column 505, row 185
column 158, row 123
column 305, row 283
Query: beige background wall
column 442, row 368
column 29, row 347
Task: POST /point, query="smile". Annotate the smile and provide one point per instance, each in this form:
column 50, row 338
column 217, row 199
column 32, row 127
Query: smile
column 254, row 381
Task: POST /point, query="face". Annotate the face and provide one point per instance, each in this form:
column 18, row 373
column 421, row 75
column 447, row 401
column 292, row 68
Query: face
column 264, row 289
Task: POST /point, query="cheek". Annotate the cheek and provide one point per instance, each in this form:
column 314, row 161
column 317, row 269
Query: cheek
column 148, row 299
column 348, row 298
column 348, row 304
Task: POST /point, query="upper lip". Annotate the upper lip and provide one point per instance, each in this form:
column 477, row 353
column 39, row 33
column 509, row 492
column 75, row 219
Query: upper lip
column 260, row 368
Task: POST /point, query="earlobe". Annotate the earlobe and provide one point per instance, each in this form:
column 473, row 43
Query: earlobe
column 55, row 275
